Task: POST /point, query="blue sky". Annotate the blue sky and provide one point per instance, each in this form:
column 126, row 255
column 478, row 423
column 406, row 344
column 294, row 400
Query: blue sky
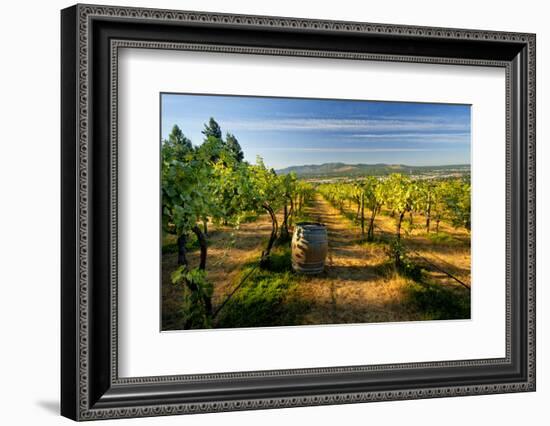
column 288, row 132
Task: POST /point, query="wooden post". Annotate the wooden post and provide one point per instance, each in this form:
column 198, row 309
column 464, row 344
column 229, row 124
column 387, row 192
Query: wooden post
column 362, row 213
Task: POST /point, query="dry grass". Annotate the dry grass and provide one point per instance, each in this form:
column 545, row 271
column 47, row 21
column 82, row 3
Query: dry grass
column 448, row 250
column 352, row 289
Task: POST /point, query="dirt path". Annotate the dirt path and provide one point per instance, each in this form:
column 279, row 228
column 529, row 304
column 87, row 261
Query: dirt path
column 346, row 256
column 352, row 288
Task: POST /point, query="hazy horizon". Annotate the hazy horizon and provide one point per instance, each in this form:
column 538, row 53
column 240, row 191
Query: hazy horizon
column 373, row 164
column 291, row 132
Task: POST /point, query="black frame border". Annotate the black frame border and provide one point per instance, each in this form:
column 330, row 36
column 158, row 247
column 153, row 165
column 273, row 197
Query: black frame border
column 90, row 387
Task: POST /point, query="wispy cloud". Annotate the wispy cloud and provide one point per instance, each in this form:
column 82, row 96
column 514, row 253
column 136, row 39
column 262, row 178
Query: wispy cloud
column 295, row 131
column 336, row 124
column 300, row 149
column 410, row 137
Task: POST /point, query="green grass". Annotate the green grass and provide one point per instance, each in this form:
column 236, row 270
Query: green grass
column 439, row 303
column 434, row 301
column 379, row 241
column 250, row 217
column 170, row 245
column 280, row 260
column 303, row 216
column 414, row 226
column 266, row 298
column 354, row 221
column 385, row 269
column 442, row 238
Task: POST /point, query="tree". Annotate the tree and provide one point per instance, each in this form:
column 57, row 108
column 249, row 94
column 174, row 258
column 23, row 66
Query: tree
column 457, row 196
column 357, row 195
column 177, row 145
column 212, row 129
column 210, row 152
column 400, row 192
column 373, row 199
column 426, row 200
column 438, row 207
column 416, row 201
column 289, row 186
column 268, row 195
column 303, row 193
column 234, row 146
column 239, row 188
column 338, row 194
column 185, row 199
column 233, row 190
column 224, row 161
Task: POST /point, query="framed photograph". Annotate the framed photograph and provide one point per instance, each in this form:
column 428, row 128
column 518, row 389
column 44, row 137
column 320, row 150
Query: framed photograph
column 263, row 212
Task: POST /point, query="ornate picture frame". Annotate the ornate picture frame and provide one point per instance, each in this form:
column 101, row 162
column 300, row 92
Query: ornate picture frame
column 90, row 39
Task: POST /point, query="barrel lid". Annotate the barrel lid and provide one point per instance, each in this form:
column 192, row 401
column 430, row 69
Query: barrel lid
column 310, row 225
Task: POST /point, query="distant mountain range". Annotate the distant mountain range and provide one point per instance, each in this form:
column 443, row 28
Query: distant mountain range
column 343, row 169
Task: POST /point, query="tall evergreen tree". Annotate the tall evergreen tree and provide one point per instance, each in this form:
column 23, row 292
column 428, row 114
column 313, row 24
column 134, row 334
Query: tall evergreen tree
column 212, row 129
column 177, row 145
column 234, row 146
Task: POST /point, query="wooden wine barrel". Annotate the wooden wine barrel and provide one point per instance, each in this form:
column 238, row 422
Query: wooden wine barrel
column 309, row 247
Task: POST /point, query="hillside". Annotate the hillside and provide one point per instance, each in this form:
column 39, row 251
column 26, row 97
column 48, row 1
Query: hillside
column 342, row 169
